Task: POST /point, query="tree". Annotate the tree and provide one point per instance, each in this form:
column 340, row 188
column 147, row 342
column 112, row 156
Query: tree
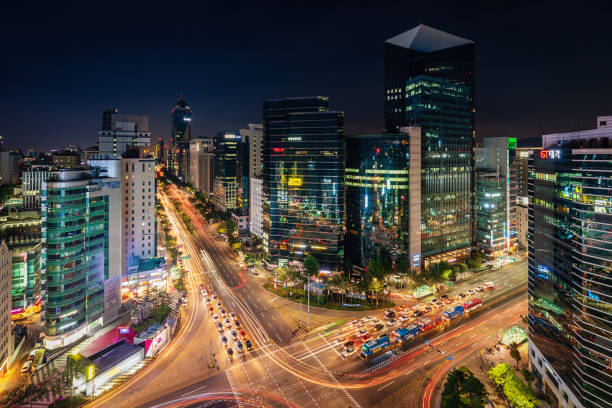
column 515, row 353
column 311, row 266
column 282, row 275
column 230, row 227
column 463, row 389
column 375, row 286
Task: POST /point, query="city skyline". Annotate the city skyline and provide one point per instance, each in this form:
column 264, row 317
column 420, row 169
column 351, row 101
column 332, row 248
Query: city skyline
column 76, row 73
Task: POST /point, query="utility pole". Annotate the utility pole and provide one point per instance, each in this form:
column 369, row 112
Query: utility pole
column 308, row 307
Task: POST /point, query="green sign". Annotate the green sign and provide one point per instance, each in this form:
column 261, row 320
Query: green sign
column 512, row 143
column 185, row 257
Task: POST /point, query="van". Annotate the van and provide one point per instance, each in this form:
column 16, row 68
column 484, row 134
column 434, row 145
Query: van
column 488, row 285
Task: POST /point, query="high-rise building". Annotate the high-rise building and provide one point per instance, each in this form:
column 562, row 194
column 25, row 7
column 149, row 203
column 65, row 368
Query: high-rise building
column 31, row 183
column 226, row 190
column 202, row 160
column 382, row 193
column 66, row 159
column 429, row 82
column 81, row 254
column 119, row 131
column 180, row 121
column 303, row 158
column 253, row 134
column 570, row 247
column 6, row 329
column 256, row 206
column 524, row 167
column 21, row 230
column 138, row 198
column 9, row 168
column 496, row 229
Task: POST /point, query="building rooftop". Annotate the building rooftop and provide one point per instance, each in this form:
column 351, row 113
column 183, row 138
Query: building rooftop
column 425, row 39
column 113, row 354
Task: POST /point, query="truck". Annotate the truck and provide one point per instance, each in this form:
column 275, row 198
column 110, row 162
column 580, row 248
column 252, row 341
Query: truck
column 406, row 333
column 451, row 314
column 475, row 303
column 375, row 346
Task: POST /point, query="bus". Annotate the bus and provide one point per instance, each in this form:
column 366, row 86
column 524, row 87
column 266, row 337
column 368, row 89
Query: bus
column 475, row 303
column 407, row 332
column 431, row 325
column 375, row 346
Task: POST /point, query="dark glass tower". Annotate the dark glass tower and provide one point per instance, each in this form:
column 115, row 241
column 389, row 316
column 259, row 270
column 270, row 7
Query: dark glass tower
column 303, row 181
column 180, row 118
column 226, row 191
column 429, row 84
column 570, row 264
column 378, row 178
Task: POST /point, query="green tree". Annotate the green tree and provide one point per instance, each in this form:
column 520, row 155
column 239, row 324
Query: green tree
column 311, row 266
column 230, row 227
column 282, row 275
column 375, row 286
column 515, row 353
column 463, row 389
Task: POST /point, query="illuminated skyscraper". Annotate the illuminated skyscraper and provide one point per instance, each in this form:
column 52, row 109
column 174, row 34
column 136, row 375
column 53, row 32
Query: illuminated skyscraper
column 180, row 117
column 429, row 84
column 570, row 264
column 303, row 181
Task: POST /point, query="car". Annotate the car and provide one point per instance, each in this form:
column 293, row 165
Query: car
column 236, row 323
column 208, row 300
column 230, row 352
column 354, row 322
column 215, row 297
column 461, row 295
column 32, row 354
column 433, row 301
column 425, row 321
column 427, row 309
column 228, row 322
column 248, row 344
column 223, row 312
column 254, row 271
column 234, row 335
column 375, row 321
column 383, row 335
column 365, row 338
column 232, row 315
column 403, row 318
column 390, row 315
column 391, row 322
column 239, row 346
column 223, row 339
column 470, row 292
column 204, row 293
column 216, row 317
column 243, row 334
column 220, row 326
column 362, row 333
column 364, row 320
column 479, row 288
column 370, row 318
column 211, row 310
column 418, row 313
column 349, row 345
column 26, row 367
column 439, row 304
column 444, row 296
column 218, row 304
column 379, row 327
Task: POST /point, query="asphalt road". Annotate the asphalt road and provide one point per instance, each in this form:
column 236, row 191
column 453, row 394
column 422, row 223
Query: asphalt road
column 288, row 367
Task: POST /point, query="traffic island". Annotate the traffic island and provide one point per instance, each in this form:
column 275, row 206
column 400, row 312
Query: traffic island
column 324, row 301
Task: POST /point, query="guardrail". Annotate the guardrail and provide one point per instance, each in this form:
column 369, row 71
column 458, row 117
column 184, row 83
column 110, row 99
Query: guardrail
column 392, row 359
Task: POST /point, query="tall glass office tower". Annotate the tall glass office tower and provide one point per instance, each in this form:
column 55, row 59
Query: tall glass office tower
column 429, row 83
column 180, row 120
column 303, row 177
column 570, row 263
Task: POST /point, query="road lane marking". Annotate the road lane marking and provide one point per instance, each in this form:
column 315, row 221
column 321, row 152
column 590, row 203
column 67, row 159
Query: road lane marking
column 386, row 385
column 197, row 389
column 330, row 346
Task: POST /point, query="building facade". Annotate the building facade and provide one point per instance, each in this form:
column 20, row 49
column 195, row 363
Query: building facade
column 570, row 214
column 6, row 330
column 524, row 167
column 180, row 134
column 31, row 183
column 382, row 192
column 9, row 168
column 202, row 159
column 81, row 254
column 429, row 84
column 256, row 209
column 119, row 131
column 303, row 181
column 66, row 159
column 496, row 174
column 226, row 192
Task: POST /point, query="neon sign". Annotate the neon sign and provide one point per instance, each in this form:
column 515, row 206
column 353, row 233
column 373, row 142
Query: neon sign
column 550, row 154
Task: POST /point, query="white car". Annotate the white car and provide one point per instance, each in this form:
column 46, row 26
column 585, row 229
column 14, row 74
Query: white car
column 208, row 300
column 220, row 327
column 223, row 339
column 234, row 335
column 26, row 367
column 232, row 315
column 216, row 317
column 228, row 323
column 479, row 289
column 391, row 322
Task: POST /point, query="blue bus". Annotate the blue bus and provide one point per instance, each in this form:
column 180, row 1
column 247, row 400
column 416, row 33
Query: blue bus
column 407, row 332
column 375, row 346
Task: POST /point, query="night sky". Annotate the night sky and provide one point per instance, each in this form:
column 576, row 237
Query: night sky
column 540, row 68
